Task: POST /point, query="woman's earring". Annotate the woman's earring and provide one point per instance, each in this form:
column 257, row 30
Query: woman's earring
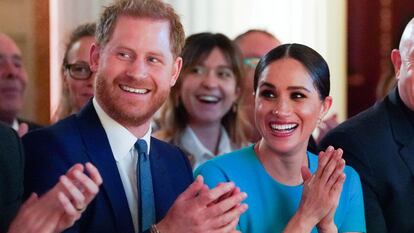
column 234, row 108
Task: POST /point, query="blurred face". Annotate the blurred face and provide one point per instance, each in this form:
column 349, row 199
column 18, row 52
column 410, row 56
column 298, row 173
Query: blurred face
column 79, row 86
column 253, row 47
column 135, row 70
column 405, row 77
column 287, row 106
column 13, row 78
column 209, row 89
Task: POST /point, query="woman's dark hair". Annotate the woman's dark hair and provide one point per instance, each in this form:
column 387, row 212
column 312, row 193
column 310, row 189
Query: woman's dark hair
column 315, row 64
column 174, row 117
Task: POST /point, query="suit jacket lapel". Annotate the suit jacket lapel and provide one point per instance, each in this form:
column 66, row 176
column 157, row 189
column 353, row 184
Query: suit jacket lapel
column 99, row 151
column 402, row 130
column 161, row 181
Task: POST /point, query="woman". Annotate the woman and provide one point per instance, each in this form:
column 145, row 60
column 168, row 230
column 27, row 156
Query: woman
column 201, row 115
column 78, row 79
column 287, row 187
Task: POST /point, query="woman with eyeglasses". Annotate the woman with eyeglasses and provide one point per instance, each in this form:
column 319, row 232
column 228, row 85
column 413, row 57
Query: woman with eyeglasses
column 290, row 189
column 201, row 115
column 78, row 79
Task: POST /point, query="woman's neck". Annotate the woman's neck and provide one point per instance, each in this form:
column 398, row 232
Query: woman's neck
column 209, row 135
column 282, row 167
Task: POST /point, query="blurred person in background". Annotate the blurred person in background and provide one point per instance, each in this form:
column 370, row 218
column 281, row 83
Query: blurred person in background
column 202, row 114
column 13, row 81
column 78, row 79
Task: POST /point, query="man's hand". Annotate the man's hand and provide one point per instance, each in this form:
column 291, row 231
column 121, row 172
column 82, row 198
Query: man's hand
column 200, row 209
column 61, row 206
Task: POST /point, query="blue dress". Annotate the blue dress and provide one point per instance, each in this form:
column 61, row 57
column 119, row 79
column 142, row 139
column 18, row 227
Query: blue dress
column 272, row 204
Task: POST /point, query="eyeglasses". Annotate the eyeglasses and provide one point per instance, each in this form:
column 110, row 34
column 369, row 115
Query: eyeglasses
column 251, row 62
column 79, row 71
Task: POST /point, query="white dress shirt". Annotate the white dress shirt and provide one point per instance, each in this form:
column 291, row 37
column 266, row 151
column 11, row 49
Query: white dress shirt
column 122, row 145
column 190, row 143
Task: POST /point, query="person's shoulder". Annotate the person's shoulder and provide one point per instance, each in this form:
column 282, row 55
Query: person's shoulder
column 236, row 158
column 6, row 131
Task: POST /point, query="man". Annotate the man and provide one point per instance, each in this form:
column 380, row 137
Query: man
column 54, row 211
column 379, row 144
column 13, row 79
column 137, row 61
column 253, row 44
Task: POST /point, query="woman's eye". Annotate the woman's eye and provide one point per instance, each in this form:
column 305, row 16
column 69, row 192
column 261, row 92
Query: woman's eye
column 225, row 73
column 267, row 94
column 197, row 70
column 297, row 95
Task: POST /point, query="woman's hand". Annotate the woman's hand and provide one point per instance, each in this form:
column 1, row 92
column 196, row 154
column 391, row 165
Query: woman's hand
column 321, row 192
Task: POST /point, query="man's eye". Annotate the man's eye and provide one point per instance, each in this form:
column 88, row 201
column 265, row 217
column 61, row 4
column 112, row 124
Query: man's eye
column 153, row 60
column 124, row 55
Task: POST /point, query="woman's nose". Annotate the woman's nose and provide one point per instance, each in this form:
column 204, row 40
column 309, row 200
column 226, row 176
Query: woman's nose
column 210, row 79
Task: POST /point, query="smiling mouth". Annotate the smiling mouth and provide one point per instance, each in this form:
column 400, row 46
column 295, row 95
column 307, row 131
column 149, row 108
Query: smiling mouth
column 133, row 90
column 283, row 127
column 209, row 99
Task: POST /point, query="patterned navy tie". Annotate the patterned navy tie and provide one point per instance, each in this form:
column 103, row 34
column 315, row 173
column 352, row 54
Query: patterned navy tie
column 144, row 180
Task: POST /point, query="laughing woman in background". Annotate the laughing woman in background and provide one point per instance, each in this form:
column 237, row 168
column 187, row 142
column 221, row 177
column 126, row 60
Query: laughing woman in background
column 201, row 114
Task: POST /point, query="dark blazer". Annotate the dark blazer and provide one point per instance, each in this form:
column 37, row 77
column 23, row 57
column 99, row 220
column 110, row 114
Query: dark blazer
column 80, row 138
column 379, row 144
column 11, row 175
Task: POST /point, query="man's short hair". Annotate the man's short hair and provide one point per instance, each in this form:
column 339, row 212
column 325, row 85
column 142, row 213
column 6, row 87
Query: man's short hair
column 153, row 9
column 264, row 32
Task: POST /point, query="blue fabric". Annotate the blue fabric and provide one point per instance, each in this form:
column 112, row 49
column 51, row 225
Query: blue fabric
column 80, row 138
column 146, row 194
column 272, row 204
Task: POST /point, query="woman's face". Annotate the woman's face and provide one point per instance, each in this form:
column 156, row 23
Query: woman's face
column 80, row 91
column 209, row 89
column 287, row 106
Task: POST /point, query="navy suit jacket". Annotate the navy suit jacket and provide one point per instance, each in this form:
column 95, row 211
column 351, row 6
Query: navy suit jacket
column 80, row 138
column 379, row 144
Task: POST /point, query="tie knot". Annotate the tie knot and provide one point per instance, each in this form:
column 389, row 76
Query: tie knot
column 142, row 147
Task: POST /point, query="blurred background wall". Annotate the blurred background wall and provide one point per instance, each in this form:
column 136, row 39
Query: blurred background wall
column 355, row 37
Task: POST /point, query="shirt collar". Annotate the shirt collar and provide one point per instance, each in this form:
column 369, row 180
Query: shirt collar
column 120, row 139
column 15, row 124
column 408, row 112
column 191, row 143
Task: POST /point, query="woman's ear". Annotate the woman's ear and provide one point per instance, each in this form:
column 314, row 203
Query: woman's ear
column 326, row 105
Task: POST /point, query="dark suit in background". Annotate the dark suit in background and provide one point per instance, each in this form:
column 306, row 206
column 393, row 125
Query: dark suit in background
column 379, row 144
column 11, row 175
column 32, row 125
column 80, row 139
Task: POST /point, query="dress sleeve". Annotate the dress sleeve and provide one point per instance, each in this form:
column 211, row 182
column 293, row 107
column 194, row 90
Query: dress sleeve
column 355, row 217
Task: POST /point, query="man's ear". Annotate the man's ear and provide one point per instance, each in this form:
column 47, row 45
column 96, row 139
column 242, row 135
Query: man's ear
column 94, row 55
column 178, row 63
column 396, row 62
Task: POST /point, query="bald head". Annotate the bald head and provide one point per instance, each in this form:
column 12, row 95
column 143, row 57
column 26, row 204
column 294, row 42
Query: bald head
column 256, row 43
column 407, row 40
column 13, row 79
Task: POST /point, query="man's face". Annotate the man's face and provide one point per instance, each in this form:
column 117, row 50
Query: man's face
column 13, row 78
column 253, row 46
column 135, row 70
